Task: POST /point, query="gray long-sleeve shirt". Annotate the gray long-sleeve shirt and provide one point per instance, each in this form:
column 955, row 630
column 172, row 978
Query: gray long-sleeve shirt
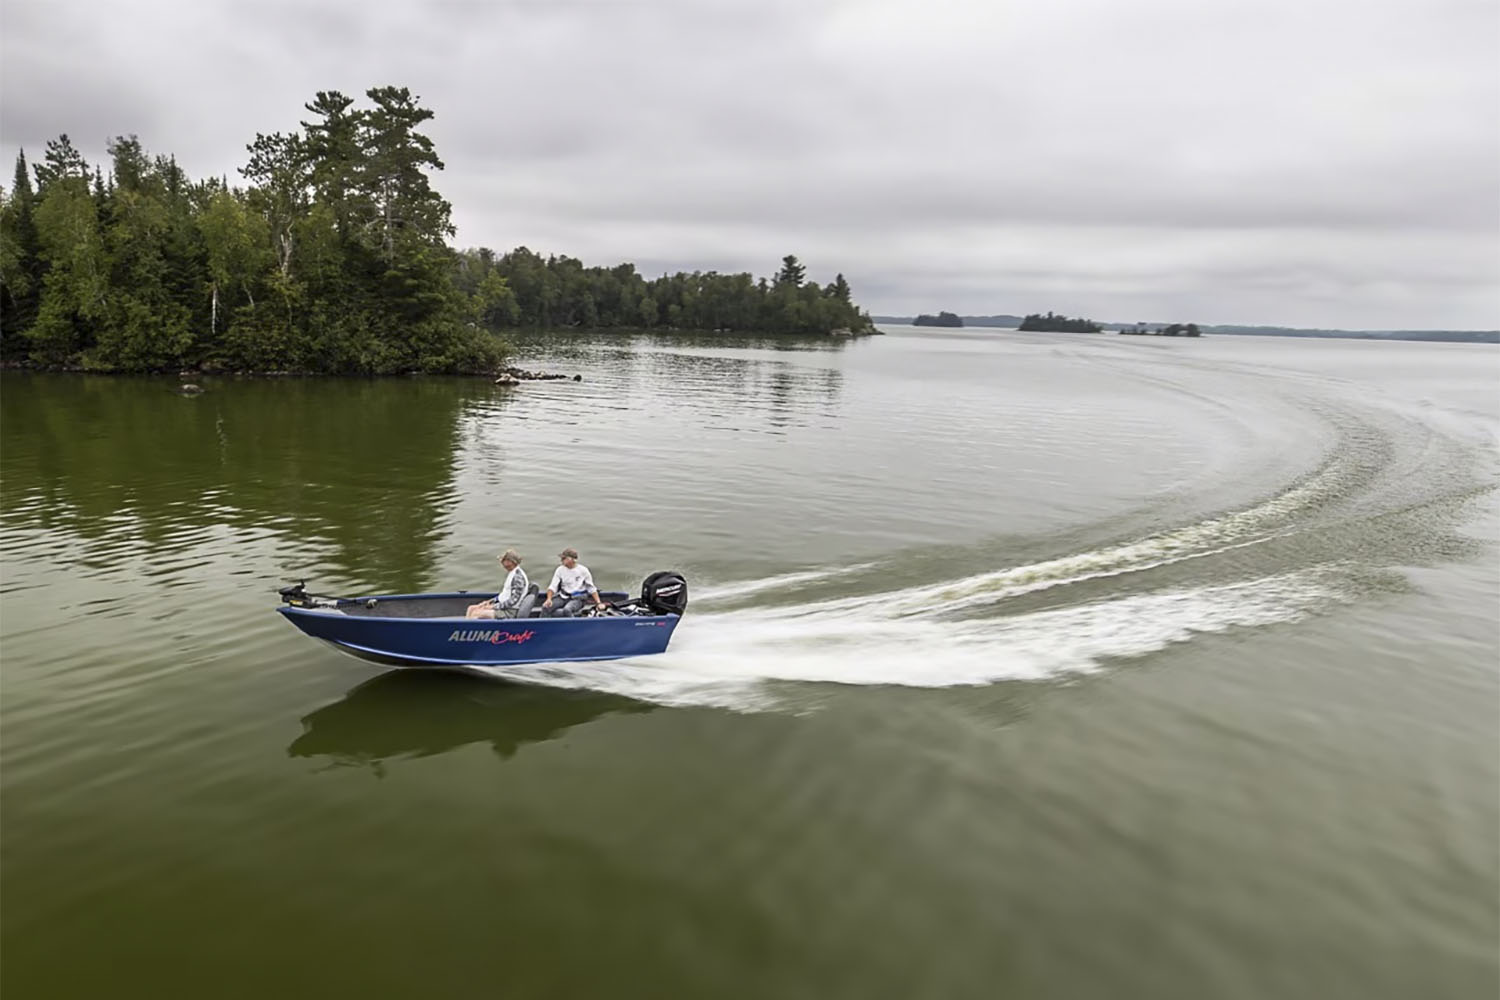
column 513, row 589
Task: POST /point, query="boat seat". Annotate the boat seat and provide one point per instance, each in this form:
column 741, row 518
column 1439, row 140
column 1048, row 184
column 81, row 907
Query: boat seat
column 527, row 607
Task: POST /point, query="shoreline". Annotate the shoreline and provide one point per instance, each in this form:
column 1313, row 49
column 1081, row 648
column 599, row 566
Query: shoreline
column 27, row 365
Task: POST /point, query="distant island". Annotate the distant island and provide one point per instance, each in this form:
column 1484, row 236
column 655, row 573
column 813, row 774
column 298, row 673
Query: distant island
column 1010, row 322
column 1005, row 321
column 333, row 258
column 1058, row 324
column 941, row 319
column 1170, row 330
column 1435, row 336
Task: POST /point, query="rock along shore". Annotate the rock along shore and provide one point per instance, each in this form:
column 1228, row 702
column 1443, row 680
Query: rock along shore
column 515, row 376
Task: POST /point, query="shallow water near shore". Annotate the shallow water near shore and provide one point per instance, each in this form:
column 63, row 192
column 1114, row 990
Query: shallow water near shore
column 1016, row 664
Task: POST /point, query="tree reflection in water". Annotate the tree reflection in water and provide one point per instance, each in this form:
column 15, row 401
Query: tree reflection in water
column 357, row 470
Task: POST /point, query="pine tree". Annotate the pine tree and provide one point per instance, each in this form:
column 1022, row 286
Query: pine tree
column 792, row 272
column 75, row 291
column 60, row 160
column 840, row 289
column 20, row 264
column 409, row 214
column 332, row 146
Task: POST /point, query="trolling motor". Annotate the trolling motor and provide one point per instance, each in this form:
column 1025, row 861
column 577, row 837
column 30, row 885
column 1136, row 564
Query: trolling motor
column 295, row 595
column 298, row 597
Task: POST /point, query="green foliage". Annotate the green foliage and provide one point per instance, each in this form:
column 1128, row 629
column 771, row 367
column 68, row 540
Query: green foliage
column 1062, row 324
column 1170, row 330
column 792, row 272
column 334, row 259
column 74, row 288
column 495, row 304
column 560, row 292
column 941, row 319
column 839, row 289
column 238, row 243
column 20, row 264
column 61, row 160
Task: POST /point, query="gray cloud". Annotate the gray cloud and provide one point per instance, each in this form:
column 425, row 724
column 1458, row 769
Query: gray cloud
column 1322, row 162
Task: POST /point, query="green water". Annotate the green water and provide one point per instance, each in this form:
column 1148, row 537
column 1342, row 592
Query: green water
column 1016, row 665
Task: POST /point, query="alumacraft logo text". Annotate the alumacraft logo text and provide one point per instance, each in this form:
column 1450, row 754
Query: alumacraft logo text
column 489, row 635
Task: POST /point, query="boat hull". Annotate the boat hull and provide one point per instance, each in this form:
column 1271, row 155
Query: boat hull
column 478, row 642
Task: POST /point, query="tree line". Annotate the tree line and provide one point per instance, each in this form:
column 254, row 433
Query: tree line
column 524, row 289
column 333, row 257
column 941, row 319
column 1059, row 324
column 1170, row 330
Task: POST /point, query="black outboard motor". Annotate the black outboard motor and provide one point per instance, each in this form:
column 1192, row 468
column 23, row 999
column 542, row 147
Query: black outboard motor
column 665, row 593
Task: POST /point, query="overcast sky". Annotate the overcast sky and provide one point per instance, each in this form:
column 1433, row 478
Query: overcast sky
column 1294, row 162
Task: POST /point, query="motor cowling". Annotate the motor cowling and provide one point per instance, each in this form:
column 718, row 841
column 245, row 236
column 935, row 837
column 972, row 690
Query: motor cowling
column 665, row 593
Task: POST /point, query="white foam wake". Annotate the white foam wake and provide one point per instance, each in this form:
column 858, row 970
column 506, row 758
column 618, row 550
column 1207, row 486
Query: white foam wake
column 744, row 588
column 737, row 658
column 742, row 660
column 1236, row 529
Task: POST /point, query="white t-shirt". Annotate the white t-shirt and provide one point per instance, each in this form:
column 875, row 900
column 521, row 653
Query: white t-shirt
column 572, row 581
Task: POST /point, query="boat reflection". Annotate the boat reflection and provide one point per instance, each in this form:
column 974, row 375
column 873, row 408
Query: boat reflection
column 410, row 713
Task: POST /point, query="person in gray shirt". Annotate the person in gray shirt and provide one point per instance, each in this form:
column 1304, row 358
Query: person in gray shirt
column 505, row 603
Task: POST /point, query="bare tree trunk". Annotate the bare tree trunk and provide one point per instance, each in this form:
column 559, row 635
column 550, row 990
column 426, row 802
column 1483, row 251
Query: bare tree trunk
column 213, row 316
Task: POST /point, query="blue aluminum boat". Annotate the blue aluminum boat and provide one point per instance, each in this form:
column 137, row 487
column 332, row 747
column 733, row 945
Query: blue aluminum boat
column 430, row 630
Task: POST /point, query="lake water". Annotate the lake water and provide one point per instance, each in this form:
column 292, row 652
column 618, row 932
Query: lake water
column 1017, row 665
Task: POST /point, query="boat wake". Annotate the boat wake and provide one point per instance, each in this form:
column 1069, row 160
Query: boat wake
column 748, row 659
column 1326, row 539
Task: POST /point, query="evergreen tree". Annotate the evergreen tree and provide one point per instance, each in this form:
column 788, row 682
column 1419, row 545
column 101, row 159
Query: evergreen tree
column 333, row 150
column 409, row 215
column 145, row 323
column 334, row 258
column 20, row 263
column 840, row 289
column 59, row 161
column 792, row 272
column 74, row 295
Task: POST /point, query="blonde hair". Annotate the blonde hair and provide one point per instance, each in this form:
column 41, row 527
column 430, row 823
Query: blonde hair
column 512, row 555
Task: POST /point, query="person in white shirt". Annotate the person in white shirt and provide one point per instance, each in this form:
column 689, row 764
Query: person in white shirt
column 504, row 604
column 573, row 583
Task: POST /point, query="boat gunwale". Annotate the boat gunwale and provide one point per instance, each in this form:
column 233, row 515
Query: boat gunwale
column 289, row 609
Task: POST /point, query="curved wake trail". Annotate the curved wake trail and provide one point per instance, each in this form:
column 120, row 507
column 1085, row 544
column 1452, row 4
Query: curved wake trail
column 1236, row 529
column 746, row 588
column 939, row 635
column 736, row 659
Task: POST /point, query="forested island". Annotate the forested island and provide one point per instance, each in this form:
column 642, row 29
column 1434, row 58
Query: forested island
column 941, row 319
column 1058, row 324
column 1170, row 330
column 332, row 258
column 1459, row 336
column 1002, row 320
